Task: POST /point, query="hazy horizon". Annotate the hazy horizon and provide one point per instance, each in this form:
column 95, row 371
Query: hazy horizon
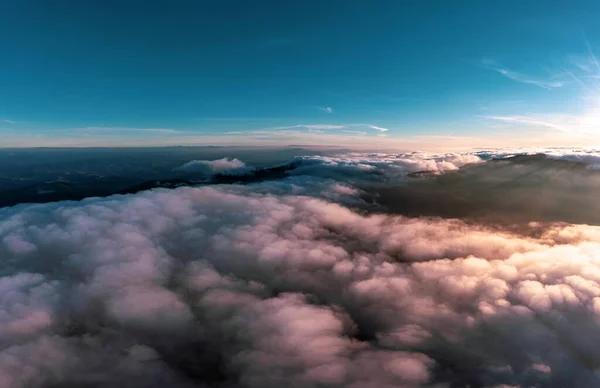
column 390, row 74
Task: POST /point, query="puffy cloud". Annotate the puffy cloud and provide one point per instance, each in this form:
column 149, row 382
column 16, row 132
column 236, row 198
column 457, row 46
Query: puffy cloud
column 587, row 156
column 399, row 165
column 231, row 286
column 224, row 166
column 266, row 285
column 591, row 158
column 360, row 169
column 407, row 162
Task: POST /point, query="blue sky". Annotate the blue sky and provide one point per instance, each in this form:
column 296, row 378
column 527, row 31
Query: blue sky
column 393, row 73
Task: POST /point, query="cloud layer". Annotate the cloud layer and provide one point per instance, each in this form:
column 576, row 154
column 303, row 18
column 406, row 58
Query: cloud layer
column 267, row 285
column 226, row 287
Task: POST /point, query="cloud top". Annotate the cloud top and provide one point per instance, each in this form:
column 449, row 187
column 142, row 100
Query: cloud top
column 212, row 287
column 266, row 285
column 224, row 166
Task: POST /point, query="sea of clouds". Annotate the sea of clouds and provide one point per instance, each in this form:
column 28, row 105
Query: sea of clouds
column 293, row 283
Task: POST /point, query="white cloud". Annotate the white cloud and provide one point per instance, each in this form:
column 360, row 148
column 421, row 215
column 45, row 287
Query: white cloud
column 583, row 63
column 522, row 78
column 527, row 120
column 583, row 124
column 592, row 57
column 357, row 168
column 264, row 286
column 309, row 126
column 327, row 109
column 527, row 80
column 380, row 129
column 128, row 129
column 331, row 127
column 362, row 133
column 11, row 122
column 185, row 287
column 323, row 126
column 220, row 166
column 574, row 123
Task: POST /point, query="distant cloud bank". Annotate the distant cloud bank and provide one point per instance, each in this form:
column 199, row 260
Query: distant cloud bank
column 220, row 166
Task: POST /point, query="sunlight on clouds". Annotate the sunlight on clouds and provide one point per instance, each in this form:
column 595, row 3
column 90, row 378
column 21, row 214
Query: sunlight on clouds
column 584, row 73
column 585, row 124
column 380, row 129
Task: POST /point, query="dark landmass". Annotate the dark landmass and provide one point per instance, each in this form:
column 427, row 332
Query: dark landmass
column 509, row 190
column 259, row 175
column 422, row 174
column 40, row 175
column 514, row 189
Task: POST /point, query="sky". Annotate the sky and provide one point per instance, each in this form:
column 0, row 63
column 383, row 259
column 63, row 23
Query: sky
column 395, row 74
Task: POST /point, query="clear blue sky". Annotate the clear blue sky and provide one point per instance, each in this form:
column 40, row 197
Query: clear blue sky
column 169, row 72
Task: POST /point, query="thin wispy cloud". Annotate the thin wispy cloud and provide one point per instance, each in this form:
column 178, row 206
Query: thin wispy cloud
column 584, row 124
column 266, row 132
column 527, row 120
column 578, row 80
column 275, row 133
column 354, row 132
column 380, row 129
column 244, row 119
column 299, row 130
column 309, row 126
column 347, row 128
column 583, row 63
column 321, row 126
column 522, row 78
column 327, row 109
column 587, row 68
column 11, row 122
column 583, row 70
column 127, row 129
column 513, row 75
column 591, row 53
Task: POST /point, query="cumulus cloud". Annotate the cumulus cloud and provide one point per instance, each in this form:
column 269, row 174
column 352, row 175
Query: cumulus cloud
column 380, row 167
column 591, row 158
column 266, row 285
column 398, row 165
column 224, row 166
column 227, row 286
